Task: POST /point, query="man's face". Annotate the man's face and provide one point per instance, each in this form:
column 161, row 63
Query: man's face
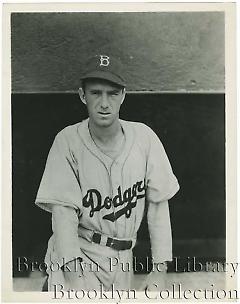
column 103, row 100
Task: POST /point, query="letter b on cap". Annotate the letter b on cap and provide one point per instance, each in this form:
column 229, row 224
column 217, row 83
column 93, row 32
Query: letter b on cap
column 104, row 60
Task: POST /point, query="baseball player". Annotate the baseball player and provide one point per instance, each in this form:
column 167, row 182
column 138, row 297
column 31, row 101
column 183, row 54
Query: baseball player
column 99, row 175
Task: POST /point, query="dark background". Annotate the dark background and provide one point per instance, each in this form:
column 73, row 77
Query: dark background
column 191, row 127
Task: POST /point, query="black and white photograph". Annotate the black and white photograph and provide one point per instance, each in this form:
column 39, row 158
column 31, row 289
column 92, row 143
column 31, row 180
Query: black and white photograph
column 120, row 154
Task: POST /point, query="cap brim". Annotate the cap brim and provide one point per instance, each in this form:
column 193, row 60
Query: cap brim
column 106, row 76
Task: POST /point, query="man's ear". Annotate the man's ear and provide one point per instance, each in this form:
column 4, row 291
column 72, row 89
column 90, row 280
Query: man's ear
column 82, row 95
column 124, row 94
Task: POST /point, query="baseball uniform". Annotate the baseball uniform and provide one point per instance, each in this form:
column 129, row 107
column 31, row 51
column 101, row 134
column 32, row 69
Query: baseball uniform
column 93, row 193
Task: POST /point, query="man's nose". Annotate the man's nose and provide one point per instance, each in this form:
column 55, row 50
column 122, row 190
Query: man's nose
column 104, row 101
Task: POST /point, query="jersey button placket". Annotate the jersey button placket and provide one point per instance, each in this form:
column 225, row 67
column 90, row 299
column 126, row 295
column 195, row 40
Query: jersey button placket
column 114, row 172
column 115, row 179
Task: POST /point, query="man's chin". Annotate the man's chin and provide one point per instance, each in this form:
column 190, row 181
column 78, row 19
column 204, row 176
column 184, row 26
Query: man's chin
column 105, row 124
column 102, row 123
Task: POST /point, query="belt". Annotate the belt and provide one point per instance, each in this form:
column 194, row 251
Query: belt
column 104, row 240
column 111, row 242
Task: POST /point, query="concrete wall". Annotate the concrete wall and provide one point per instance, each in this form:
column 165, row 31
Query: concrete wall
column 161, row 51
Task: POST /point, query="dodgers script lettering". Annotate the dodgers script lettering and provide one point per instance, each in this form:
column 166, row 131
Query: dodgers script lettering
column 93, row 200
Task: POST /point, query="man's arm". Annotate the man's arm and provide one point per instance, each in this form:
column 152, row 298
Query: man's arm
column 159, row 226
column 65, row 229
column 161, row 243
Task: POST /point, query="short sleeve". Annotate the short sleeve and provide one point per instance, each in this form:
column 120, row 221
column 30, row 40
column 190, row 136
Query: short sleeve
column 161, row 183
column 59, row 184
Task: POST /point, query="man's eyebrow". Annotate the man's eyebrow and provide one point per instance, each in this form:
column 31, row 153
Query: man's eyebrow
column 95, row 90
column 114, row 91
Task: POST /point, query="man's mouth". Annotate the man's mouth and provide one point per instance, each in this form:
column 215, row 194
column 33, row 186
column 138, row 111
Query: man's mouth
column 104, row 113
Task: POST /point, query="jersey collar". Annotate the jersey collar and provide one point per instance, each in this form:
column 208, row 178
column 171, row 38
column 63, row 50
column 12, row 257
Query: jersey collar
column 128, row 130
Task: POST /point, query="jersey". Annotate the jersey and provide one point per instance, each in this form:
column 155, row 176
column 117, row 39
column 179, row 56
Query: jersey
column 102, row 195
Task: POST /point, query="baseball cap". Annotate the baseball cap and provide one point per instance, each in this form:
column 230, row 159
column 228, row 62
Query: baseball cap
column 105, row 67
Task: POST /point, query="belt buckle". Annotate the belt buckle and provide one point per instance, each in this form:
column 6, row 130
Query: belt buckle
column 112, row 243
